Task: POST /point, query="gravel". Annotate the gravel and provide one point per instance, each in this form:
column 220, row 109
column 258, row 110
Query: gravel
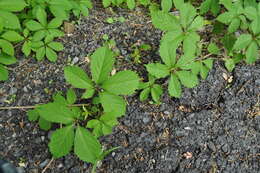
column 211, row 128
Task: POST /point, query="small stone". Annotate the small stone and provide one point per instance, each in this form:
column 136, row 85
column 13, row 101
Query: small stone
column 212, row 146
column 44, row 163
column 13, row 91
column 75, row 60
column 146, row 119
column 20, row 170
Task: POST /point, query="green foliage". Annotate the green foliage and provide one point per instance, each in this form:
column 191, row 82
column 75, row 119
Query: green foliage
column 150, row 88
column 180, row 34
column 107, row 87
column 131, row 4
column 243, row 15
column 35, row 24
column 210, row 5
column 82, row 126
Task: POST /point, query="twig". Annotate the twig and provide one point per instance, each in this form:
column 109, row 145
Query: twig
column 31, row 107
column 47, row 166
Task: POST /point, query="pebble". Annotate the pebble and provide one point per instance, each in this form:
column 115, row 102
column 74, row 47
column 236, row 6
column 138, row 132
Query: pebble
column 44, row 163
column 146, row 119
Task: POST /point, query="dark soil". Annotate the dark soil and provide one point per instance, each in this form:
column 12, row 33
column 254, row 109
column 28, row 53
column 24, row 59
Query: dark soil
column 213, row 128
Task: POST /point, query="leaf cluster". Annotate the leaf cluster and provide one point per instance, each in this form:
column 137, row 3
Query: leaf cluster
column 131, row 4
column 181, row 35
column 81, row 127
column 34, row 24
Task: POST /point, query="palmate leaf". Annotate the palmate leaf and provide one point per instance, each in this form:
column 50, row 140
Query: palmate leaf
column 41, row 16
column 86, row 146
column 168, row 52
column 77, row 77
column 101, row 65
column 122, row 83
column 62, row 141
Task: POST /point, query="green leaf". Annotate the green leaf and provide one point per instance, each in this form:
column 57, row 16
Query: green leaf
column 55, row 23
column 106, row 3
column 12, row 5
column 158, row 70
column 33, row 115
column 226, row 3
column 197, row 24
column 144, row 94
column 251, row 13
column 208, row 62
column 7, row 47
column 215, row 7
column 165, row 21
column 71, row 96
column 44, row 124
column 88, row 93
column 205, row 6
column 156, row 92
column 168, row 52
column 109, row 120
column 3, row 73
column 234, row 25
column 255, row 26
column 178, row 3
column 242, row 41
column 113, row 103
column 57, row 113
column 213, row 48
column 51, row 54
column 41, row 16
column 101, row 65
column 40, row 53
column 7, row 59
column 56, row 46
column 58, row 11
column 166, row 5
column 122, row 83
column 11, row 21
column 252, row 53
column 33, row 25
column 77, row 77
column 228, row 41
column 190, row 44
column 86, row 146
column 62, row 141
column 225, row 17
column 174, row 87
column 187, row 14
column 229, row 64
column 39, row 35
column 187, row 78
column 203, row 71
column 130, row 4
column 12, row 36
